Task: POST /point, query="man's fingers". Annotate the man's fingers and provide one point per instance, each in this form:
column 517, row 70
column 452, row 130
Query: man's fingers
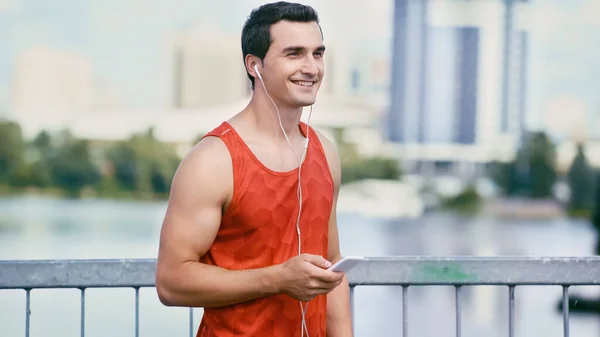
column 318, row 261
column 326, row 287
column 329, row 277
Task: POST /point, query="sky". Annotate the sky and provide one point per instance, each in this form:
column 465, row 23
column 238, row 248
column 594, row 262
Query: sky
column 565, row 72
column 126, row 40
column 127, row 43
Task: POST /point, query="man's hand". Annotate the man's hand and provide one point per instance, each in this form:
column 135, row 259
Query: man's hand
column 305, row 276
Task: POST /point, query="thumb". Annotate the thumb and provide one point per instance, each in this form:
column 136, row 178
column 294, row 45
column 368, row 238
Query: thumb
column 318, row 261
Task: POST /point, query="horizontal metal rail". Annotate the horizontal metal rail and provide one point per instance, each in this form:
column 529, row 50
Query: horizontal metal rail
column 395, row 271
column 30, row 274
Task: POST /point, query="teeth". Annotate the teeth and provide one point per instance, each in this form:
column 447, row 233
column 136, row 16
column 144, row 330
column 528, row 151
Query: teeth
column 304, row 83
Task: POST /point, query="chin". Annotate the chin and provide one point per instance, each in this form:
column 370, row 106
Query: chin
column 305, row 101
column 308, row 102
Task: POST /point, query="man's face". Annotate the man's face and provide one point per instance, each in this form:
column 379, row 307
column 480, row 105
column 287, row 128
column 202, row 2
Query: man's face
column 293, row 65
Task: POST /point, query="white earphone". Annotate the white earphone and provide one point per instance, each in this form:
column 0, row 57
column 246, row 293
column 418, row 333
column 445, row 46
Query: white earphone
column 299, row 193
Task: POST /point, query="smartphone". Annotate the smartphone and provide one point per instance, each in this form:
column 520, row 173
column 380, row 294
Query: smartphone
column 346, row 263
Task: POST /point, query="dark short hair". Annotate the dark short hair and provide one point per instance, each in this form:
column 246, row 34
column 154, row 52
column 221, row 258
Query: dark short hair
column 256, row 34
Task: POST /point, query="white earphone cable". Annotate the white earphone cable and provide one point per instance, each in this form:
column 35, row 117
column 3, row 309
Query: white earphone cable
column 304, row 328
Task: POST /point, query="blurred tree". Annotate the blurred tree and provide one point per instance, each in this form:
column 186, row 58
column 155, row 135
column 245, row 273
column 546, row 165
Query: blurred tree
column 505, row 177
column 595, row 219
column 42, row 142
column 370, row 168
column 124, row 164
column 12, row 150
column 357, row 167
column 71, row 167
column 532, row 172
column 43, row 151
column 467, row 201
column 581, row 183
column 142, row 164
column 541, row 158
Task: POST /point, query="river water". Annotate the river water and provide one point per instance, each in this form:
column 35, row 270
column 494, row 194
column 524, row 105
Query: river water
column 45, row 228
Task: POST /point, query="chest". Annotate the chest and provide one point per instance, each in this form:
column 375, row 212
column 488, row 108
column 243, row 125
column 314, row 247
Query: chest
column 266, row 204
column 277, row 158
column 265, row 220
column 264, row 210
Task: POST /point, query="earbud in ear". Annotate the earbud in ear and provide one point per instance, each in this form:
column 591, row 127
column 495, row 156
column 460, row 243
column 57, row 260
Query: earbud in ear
column 257, row 72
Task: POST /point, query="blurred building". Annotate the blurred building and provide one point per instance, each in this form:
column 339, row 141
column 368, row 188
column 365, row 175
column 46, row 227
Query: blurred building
column 208, row 68
column 48, row 80
column 458, row 79
column 515, row 65
column 354, row 71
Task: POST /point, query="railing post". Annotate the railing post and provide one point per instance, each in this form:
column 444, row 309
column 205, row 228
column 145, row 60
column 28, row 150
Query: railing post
column 405, row 311
column 27, row 311
column 137, row 311
column 352, row 317
column 191, row 322
column 458, row 311
column 511, row 311
column 82, row 323
column 566, row 310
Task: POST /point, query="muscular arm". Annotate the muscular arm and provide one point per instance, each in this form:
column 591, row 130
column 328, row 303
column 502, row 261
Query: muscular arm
column 339, row 322
column 200, row 189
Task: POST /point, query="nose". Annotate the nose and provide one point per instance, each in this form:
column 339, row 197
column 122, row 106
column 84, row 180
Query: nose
column 310, row 67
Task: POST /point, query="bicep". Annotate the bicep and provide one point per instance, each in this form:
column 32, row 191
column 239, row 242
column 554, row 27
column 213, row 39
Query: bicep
column 193, row 215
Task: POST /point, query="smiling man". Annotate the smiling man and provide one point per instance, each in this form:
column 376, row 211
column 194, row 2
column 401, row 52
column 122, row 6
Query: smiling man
column 250, row 227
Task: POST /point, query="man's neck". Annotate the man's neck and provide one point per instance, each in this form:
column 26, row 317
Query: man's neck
column 267, row 122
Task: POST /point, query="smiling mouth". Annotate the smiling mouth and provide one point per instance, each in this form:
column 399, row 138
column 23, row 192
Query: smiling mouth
column 304, row 83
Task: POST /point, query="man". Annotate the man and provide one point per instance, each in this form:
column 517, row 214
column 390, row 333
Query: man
column 231, row 241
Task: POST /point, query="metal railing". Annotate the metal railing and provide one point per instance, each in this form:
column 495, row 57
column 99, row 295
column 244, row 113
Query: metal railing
column 393, row 271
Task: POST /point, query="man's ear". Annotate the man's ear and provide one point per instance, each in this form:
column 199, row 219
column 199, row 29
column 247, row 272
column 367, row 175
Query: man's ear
column 252, row 61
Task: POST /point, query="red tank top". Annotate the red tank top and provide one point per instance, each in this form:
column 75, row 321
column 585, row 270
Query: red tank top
column 259, row 229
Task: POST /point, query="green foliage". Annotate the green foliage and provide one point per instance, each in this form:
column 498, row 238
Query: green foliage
column 370, row 168
column 542, row 161
column 506, row 177
column 595, row 219
column 12, row 150
column 138, row 167
column 71, row 167
column 142, row 164
column 467, row 201
column 355, row 167
column 581, row 184
column 532, row 173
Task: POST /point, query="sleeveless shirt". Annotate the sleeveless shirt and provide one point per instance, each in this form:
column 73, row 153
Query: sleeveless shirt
column 258, row 229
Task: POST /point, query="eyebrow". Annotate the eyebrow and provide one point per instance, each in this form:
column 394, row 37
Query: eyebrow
column 301, row 49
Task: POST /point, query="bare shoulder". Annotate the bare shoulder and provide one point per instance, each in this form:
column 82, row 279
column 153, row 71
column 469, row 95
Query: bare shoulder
column 199, row 192
column 333, row 158
column 210, row 147
column 209, row 153
column 206, row 170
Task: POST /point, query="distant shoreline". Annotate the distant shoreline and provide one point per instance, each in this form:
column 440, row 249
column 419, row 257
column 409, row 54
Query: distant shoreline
column 521, row 208
column 8, row 191
column 505, row 208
